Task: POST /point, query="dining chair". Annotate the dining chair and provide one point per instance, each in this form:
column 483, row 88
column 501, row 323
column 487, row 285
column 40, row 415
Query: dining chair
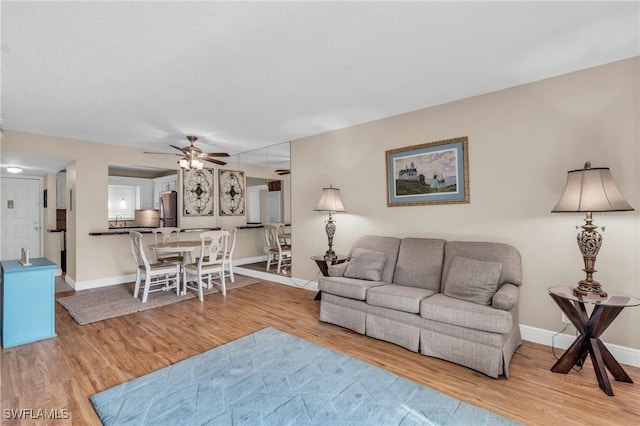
column 231, row 246
column 165, row 235
column 161, row 276
column 277, row 248
column 210, row 264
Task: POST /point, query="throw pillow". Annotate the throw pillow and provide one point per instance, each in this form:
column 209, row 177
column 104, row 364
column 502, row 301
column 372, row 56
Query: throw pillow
column 365, row 265
column 472, row 280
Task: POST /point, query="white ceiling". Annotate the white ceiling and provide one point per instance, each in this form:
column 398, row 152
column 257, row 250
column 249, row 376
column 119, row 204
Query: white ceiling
column 244, row 75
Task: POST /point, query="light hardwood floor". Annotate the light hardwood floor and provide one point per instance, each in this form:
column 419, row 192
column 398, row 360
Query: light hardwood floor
column 61, row 373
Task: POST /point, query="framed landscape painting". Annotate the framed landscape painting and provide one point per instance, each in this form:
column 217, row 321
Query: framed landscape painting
column 431, row 173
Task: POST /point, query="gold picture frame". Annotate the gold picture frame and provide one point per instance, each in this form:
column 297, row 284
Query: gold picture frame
column 430, row 173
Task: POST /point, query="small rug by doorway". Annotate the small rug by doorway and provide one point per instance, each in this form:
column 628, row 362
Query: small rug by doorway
column 87, row 306
column 273, row 378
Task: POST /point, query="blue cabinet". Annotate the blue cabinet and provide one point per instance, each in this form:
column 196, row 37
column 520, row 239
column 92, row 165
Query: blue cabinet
column 28, row 292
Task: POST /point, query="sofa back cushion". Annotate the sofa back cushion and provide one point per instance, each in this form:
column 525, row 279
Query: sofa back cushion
column 420, row 263
column 387, row 245
column 365, row 264
column 504, row 254
column 472, row 280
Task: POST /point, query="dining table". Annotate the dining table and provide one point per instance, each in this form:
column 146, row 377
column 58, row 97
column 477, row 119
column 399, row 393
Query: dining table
column 183, row 247
column 285, row 238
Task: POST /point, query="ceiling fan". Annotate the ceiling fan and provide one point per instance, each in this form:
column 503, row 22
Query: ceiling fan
column 192, row 156
column 283, row 171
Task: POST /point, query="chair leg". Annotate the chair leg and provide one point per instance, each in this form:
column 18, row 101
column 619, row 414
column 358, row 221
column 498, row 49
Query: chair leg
column 185, row 280
column 200, row 295
column 279, row 262
column 222, row 281
column 136, row 289
column 147, row 284
column 233, row 280
column 269, row 257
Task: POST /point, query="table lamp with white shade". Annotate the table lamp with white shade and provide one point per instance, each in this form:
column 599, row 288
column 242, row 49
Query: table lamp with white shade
column 330, row 201
column 590, row 190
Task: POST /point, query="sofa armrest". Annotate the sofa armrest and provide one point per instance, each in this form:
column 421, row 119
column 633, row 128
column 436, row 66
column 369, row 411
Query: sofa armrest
column 506, row 297
column 338, row 269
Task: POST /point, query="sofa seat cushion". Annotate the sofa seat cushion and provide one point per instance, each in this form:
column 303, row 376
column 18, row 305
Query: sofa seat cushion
column 398, row 297
column 352, row 288
column 459, row 312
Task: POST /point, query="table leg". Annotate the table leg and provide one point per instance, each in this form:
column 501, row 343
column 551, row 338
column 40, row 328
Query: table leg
column 588, row 342
column 577, row 352
column 598, row 367
column 324, row 269
column 612, row 365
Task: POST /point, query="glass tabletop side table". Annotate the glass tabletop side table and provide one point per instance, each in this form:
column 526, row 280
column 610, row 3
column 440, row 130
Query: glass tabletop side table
column 323, row 265
column 590, row 328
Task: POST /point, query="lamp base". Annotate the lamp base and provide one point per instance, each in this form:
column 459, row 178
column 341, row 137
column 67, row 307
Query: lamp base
column 330, row 255
column 592, row 288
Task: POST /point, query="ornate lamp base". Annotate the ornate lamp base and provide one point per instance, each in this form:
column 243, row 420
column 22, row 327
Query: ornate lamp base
column 330, row 228
column 589, row 289
column 330, row 255
column 589, row 242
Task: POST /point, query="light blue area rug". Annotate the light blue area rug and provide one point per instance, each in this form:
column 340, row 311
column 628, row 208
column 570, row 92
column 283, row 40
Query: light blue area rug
column 273, row 378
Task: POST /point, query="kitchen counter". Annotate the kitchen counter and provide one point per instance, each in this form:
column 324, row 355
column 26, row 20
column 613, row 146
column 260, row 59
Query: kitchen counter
column 143, row 230
column 255, row 225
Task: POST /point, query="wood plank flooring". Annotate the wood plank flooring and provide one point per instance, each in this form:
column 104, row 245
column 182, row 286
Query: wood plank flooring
column 61, row 373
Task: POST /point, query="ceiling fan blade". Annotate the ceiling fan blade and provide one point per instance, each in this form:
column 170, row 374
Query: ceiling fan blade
column 162, row 153
column 216, row 154
column 213, row 160
column 178, row 148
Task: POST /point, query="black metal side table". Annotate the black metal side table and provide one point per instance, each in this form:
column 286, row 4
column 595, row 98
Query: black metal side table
column 323, row 265
column 590, row 328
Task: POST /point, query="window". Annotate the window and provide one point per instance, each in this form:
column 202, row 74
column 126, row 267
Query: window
column 123, row 201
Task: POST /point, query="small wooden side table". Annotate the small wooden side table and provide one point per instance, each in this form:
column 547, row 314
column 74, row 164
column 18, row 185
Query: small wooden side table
column 323, row 265
column 590, row 328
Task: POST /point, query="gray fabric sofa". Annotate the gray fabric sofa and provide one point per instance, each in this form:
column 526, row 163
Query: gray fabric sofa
column 452, row 300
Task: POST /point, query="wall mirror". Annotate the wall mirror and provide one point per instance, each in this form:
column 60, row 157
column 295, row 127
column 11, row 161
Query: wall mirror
column 268, row 189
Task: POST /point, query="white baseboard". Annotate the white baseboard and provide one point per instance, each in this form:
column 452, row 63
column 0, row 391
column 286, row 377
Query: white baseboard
column 103, row 282
column 622, row 354
column 280, row 279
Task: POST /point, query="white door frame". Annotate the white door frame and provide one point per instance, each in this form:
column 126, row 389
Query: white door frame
column 40, row 180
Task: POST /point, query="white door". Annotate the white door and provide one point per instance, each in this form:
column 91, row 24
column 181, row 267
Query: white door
column 20, row 217
column 253, row 205
column 273, row 206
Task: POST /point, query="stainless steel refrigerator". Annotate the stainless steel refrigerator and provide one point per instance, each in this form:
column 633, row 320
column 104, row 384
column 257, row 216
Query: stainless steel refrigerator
column 168, row 208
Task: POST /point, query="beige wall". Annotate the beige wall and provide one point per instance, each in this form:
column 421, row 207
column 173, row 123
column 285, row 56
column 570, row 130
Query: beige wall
column 52, row 240
column 104, row 260
column 522, row 141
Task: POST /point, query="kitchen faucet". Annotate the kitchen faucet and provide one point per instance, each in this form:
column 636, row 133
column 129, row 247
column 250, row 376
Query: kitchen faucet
column 118, row 216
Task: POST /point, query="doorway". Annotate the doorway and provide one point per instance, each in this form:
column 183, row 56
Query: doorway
column 20, row 217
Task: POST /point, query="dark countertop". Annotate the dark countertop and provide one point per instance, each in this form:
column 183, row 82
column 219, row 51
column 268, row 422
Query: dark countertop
column 144, row 230
column 56, row 230
column 255, row 225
